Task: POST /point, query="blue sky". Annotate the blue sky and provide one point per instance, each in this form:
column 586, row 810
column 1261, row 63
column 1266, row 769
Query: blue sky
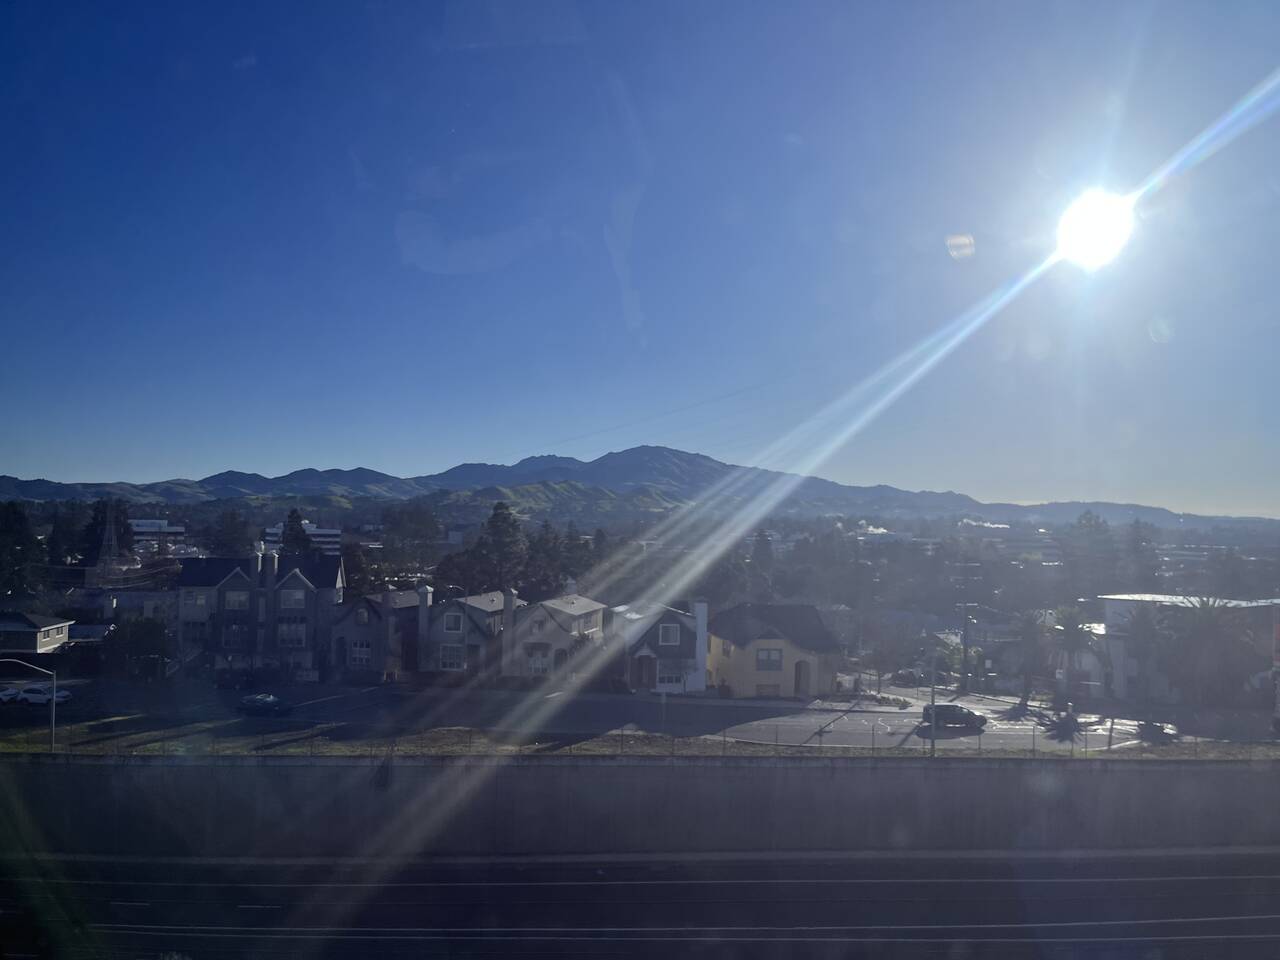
column 404, row 235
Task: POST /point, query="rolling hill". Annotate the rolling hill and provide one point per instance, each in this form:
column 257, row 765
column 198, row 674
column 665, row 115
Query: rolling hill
column 646, row 479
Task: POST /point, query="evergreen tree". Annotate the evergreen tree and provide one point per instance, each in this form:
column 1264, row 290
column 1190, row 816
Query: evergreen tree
column 91, row 537
column 1141, row 562
column 63, row 543
column 295, row 541
column 356, row 569
column 600, row 544
column 499, row 553
column 543, row 575
column 20, row 553
column 230, row 537
column 577, row 551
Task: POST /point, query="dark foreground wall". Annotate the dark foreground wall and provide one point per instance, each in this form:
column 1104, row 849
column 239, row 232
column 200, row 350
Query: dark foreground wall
column 238, row 806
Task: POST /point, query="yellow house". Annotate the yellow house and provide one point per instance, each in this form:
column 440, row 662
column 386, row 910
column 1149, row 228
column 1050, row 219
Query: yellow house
column 772, row 650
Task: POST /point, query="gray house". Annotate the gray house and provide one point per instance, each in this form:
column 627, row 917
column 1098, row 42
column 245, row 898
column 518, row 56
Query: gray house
column 549, row 635
column 262, row 611
column 463, row 635
column 375, row 637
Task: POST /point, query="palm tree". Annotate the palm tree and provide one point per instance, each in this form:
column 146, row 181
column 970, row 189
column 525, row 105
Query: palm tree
column 1145, row 640
column 1205, row 635
column 1031, row 646
column 1073, row 639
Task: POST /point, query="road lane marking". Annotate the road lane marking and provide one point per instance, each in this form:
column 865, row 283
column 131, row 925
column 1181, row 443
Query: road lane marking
column 336, row 696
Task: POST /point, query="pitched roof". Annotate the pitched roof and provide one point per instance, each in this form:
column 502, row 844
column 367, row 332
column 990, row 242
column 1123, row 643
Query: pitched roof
column 209, row 571
column 798, row 622
column 399, row 598
column 573, row 605
column 16, row 620
column 488, row 602
column 321, row 570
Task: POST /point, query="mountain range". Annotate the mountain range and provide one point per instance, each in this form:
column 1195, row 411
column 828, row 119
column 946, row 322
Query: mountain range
column 645, row 479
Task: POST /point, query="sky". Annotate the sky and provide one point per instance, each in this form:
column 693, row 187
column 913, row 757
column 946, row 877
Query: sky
column 408, row 235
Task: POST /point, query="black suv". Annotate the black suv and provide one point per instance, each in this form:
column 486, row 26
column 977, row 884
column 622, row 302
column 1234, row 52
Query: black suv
column 953, row 715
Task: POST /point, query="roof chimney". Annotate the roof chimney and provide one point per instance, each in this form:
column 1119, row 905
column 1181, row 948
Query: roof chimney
column 425, row 596
column 698, row 680
column 508, row 641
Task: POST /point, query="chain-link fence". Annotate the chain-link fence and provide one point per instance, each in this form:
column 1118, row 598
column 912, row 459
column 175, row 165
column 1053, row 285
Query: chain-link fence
column 152, row 736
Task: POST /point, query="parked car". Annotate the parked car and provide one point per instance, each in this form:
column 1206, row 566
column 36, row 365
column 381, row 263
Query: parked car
column 39, row 694
column 906, row 678
column 264, row 705
column 8, row 695
column 953, row 715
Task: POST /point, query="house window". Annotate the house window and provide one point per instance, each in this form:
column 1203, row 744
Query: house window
column 538, row 625
column 538, row 664
column 668, row 634
column 724, row 647
column 293, row 599
column 362, row 616
column 237, row 600
column 291, row 632
column 768, row 690
column 670, row 672
column 769, row 659
column 233, row 636
column 451, row 656
column 587, row 624
column 360, row 652
column 453, row 623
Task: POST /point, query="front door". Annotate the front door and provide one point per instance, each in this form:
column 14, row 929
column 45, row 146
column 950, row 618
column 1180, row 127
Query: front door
column 802, row 678
column 646, row 673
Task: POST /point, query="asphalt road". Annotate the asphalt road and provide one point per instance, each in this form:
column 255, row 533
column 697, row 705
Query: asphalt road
column 556, row 715
column 1122, row 906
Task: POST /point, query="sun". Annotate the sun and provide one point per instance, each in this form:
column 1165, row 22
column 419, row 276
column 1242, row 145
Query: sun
column 1095, row 228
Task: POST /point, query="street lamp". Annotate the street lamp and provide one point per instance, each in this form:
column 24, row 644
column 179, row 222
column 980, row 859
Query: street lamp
column 53, row 700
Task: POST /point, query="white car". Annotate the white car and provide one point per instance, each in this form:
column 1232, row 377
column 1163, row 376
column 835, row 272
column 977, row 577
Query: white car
column 40, row 694
column 8, row 694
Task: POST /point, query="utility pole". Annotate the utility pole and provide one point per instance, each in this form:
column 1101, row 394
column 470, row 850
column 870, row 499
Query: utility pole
column 964, row 647
column 933, row 698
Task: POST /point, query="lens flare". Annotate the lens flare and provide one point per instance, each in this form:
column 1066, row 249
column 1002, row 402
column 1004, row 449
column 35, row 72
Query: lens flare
column 1095, row 229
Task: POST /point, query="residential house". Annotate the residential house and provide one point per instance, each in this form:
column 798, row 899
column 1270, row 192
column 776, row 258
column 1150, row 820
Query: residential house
column 262, row 611
column 31, row 633
column 550, row 635
column 463, row 635
column 375, row 637
column 772, row 650
column 666, row 648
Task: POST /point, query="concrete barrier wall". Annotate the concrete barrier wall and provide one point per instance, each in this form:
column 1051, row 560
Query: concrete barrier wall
column 242, row 806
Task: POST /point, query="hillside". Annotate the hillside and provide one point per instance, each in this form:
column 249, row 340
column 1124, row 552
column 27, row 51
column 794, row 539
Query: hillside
column 641, row 481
